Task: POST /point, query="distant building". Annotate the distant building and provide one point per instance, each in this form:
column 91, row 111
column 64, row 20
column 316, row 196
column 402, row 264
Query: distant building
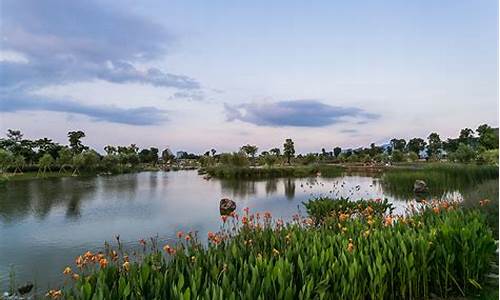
column 180, row 154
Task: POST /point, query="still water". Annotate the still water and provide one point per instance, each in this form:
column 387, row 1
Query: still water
column 45, row 224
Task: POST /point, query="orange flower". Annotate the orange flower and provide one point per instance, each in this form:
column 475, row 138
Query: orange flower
column 67, row 271
column 388, row 221
column 484, row 202
column 244, row 220
column 246, row 209
column 267, row 215
column 103, row 263
column 180, row 234
column 126, row 266
column 75, row 276
column 54, row 294
column 343, row 217
column 142, row 242
column 188, row 237
column 350, row 247
column 436, row 210
column 169, row 249
column 211, row 235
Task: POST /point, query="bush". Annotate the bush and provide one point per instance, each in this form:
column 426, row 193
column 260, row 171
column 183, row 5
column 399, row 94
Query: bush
column 441, row 250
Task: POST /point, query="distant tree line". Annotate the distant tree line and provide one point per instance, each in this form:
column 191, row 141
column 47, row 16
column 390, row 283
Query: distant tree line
column 479, row 146
column 18, row 154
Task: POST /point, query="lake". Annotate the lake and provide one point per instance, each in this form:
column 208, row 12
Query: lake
column 45, row 224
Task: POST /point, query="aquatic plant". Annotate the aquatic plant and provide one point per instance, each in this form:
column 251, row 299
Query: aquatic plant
column 230, row 172
column 439, row 249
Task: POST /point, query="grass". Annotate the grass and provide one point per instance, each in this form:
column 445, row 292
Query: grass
column 229, row 172
column 441, row 249
column 440, row 178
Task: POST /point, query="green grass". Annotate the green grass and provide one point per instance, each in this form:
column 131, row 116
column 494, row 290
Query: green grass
column 228, row 172
column 440, row 178
column 365, row 256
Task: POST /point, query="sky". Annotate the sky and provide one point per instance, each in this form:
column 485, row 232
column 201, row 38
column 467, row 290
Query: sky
column 196, row 75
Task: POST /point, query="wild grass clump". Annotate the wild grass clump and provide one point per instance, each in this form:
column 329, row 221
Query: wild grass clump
column 440, row 178
column 231, row 172
column 323, row 208
column 440, row 249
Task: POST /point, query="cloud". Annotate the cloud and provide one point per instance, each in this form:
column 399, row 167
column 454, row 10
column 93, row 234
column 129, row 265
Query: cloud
column 299, row 113
column 66, row 41
column 56, row 42
column 141, row 116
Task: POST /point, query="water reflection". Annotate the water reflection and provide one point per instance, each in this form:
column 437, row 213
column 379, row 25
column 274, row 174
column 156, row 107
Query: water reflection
column 44, row 224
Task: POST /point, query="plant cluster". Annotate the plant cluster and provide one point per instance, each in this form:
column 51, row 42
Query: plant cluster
column 438, row 248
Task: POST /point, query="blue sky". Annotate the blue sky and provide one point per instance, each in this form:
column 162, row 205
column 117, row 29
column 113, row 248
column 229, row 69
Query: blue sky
column 194, row 75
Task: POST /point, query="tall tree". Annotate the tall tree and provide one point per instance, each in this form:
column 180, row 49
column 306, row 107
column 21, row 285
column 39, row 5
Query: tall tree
column 275, row 151
column 337, row 151
column 466, row 136
column 75, row 142
column 288, row 149
column 416, row 145
column 398, row 144
column 488, row 137
column 250, row 150
column 435, row 145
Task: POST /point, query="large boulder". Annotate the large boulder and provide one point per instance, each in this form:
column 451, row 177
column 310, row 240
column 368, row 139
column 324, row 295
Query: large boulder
column 420, row 187
column 226, row 206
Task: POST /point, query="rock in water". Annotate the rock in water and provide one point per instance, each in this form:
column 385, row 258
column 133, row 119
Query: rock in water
column 420, row 187
column 25, row 288
column 226, row 206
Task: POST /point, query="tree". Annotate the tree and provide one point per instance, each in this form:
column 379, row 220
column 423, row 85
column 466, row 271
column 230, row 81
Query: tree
column 110, row 150
column 435, row 145
column 398, row 144
column 91, row 159
column 250, row 150
column 275, row 151
column 288, row 150
column 488, row 137
column 14, row 135
column 167, row 155
column 464, row 153
column 6, row 158
column 75, row 142
column 213, row 151
column 270, row 159
column 78, row 163
column 412, row 156
column 65, row 159
column 416, row 145
column 466, row 136
column 44, row 164
column 18, row 163
column 310, row 158
column 337, row 151
column 397, row 156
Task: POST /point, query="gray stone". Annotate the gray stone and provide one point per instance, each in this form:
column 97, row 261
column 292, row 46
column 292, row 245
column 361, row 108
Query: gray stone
column 420, row 187
column 226, row 206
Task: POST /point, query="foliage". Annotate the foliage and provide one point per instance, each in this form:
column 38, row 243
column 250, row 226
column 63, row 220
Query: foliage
column 323, row 208
column 397, row 156
column 75, row 142
column 488, row 157
column 270, row 159
column 234, row 172
column 416, row 145
column 440, row 178
column 6, row 159
column 464, row 154
column 440, row 250
column 288, row 150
